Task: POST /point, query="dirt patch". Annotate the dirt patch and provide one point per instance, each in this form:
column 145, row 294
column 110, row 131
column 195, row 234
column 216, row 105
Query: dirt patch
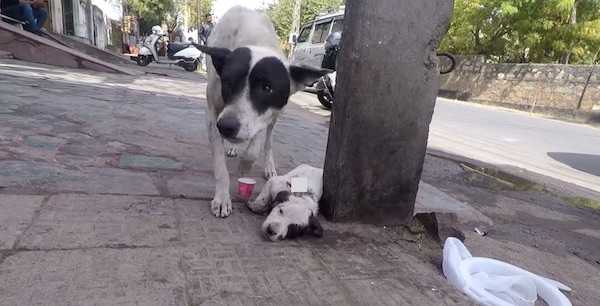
column 497, row 180
column 583, row 202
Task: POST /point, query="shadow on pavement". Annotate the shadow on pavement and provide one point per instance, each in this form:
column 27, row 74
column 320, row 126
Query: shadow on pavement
column 588, row 163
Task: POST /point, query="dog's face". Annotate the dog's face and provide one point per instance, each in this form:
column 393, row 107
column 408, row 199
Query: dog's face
column 256, row 84
column 290, row 218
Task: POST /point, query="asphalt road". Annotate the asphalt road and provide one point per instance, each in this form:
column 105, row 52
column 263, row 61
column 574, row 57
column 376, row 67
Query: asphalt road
column 564, row 151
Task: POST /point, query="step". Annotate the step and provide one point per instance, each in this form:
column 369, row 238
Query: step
column 30, row 47
column 6, row 55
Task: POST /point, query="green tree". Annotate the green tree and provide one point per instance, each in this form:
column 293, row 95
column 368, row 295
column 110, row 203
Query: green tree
column 545, row 31
column 151, row 12
column 192, row 7
column 281, row 13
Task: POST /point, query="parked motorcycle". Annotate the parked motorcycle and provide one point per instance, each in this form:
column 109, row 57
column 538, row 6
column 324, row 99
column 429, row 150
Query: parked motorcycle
column 185, row 55
column 326, row 84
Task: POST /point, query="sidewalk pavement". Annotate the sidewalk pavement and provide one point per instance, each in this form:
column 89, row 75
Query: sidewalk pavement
column 105, row 188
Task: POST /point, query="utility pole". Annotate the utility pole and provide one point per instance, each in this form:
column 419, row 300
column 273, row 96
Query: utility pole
column 295, row 22
column 388, row 81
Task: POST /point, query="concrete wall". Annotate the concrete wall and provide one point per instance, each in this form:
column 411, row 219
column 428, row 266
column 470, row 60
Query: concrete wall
column 544, row 88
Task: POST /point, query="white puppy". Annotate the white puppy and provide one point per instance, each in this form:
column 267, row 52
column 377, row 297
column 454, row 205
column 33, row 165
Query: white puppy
column 291, row 215
column 249, row 83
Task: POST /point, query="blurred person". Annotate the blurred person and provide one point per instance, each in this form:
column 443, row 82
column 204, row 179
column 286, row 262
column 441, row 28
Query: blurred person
column 32, row 12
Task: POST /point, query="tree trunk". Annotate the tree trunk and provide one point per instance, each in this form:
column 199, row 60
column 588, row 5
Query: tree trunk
column 387, row 85
column 566, row 58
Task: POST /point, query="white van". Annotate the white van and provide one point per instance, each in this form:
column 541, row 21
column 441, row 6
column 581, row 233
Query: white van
column 310, row 43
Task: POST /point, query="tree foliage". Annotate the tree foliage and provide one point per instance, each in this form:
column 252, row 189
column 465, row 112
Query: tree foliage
column 281, row 12
column 191, row 11
column 151, row 12
column 543, row 31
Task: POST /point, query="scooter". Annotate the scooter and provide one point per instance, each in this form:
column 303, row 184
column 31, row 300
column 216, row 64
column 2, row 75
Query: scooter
column 185, row 55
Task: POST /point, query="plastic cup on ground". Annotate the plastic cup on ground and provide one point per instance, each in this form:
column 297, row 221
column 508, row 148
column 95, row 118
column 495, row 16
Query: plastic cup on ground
column 245, row 187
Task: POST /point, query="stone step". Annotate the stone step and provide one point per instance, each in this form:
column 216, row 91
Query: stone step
column 90, row 50
column 29, row 47
column 6, row 55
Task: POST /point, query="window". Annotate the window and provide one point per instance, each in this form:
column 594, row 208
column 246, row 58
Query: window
column 338, row 25
column 303, row 37
column 321, row 32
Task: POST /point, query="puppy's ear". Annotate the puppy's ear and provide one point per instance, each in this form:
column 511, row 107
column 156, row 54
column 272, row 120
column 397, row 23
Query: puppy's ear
column 217, row 55
column 304, row 76
column 282, row 196
column 314, row 226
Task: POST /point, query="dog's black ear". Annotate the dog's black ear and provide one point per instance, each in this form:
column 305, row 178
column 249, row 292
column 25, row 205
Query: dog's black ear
column 217, row 55
column 314, row 226
column 282, row 196
column 305, row 75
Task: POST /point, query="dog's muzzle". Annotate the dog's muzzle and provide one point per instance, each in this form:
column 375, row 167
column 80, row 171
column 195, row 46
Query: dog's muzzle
column 271, row 232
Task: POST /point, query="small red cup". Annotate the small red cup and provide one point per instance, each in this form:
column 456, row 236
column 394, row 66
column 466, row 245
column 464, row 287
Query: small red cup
column 245, row 187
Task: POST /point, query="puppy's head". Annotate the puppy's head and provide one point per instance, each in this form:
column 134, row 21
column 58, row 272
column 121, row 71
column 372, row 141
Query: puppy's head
column 290, row 218
column 255, row 85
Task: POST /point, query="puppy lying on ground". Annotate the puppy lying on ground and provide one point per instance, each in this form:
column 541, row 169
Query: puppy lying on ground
column 291, row 215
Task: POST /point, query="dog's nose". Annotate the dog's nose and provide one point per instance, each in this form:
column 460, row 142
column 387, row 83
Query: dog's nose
column 228, row 126
column 270, row 231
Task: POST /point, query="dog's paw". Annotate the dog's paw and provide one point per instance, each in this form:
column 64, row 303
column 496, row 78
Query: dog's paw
column 221, row 206
column 270, row 171
column 231, row 152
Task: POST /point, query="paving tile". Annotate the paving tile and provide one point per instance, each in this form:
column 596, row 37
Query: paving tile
column 109, row 277
column 16, row 214
column 82, row 221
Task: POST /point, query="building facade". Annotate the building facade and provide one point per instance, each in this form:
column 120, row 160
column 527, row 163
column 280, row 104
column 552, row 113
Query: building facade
column 97, row 22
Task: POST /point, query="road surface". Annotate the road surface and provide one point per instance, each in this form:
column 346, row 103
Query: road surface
column 564, row 151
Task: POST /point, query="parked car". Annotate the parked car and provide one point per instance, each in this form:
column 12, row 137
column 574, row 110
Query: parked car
column 309, row 44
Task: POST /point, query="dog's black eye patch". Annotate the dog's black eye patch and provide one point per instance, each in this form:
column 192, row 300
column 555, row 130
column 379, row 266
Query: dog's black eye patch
column 269, row 84
column 234, row 73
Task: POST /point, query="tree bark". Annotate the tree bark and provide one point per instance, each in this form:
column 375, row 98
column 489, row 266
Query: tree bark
column 387, row 85
column 566, row 58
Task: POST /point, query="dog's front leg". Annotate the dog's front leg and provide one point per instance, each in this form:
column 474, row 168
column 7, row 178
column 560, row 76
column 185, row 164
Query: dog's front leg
column 221, row 203
column 269, row 162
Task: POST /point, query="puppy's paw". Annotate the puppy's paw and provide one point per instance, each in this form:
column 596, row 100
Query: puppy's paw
column 221, row 206
column 270, row 171
column 258, row 206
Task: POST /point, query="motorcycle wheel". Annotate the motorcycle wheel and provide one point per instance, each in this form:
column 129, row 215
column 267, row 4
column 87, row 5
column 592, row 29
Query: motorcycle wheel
column 447, row 62
column 191, row 67
column 325, row 98
column 142, row 60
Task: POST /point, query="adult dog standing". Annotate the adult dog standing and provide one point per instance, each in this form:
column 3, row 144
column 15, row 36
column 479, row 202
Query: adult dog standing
column 249, row 83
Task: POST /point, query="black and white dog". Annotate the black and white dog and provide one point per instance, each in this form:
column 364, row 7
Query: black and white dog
column 249, row 82
column 290, row 215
